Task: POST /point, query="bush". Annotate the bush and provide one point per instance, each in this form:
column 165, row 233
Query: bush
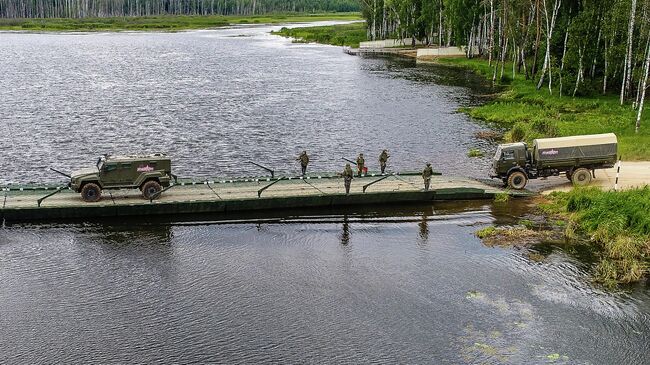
column 517, row 133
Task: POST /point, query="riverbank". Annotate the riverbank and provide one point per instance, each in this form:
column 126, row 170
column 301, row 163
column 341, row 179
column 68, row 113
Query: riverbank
column 529, row 113
column 163, row 23
column 614, row 225
column 349, row 35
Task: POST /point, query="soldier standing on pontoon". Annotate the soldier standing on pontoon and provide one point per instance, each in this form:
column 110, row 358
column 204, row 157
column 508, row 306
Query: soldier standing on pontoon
column 360, row 164
column 426, row 175
column 304, row 161
column 383, row 159
column 347, row 177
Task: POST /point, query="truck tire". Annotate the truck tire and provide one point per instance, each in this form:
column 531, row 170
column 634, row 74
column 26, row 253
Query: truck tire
column 517, row 180
column 581, row 177
column 91, row 193
column 150, row 189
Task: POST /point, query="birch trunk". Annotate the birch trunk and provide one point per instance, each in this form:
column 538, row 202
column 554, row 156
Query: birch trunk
column 580, row 71
column 550, row 25
column 566, row 38
column 644, row 87
column 627, row 71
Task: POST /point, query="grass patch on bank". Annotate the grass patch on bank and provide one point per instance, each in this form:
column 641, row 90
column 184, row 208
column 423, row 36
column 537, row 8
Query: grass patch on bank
column 616, row 224
column 164, row 22
column 530, row 113
column 338, row 35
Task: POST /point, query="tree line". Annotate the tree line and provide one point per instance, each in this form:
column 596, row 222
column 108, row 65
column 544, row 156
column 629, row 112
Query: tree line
column 572, row 47
column 15, row 9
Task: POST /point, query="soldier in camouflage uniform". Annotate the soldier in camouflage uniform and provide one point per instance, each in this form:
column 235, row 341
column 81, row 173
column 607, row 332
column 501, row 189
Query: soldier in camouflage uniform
column 383, row 159
column 304, row 161
column 426, row 175
column 360, row 164
column 347, row 177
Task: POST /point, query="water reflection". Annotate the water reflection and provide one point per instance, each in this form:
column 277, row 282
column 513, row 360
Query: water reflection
column 289, row 287
column 424, row 228
column 345, row 234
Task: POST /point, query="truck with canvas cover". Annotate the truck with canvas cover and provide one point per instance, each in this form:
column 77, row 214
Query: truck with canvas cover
column 149, row 173
column 577, row 157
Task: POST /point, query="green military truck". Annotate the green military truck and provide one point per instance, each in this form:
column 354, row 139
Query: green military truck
column 149, row 173
column 577, row 157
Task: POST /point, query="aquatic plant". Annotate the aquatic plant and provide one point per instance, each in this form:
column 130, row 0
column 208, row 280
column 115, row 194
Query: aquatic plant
column 615, row 224
column 486, row 232
column 475, row 152
column 502, row 197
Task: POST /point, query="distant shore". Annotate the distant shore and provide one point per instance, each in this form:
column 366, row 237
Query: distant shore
column 168, row 23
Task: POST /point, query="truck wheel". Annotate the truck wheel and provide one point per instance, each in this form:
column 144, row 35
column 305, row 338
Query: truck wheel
column 91, row 193
column 581, row 177
column 517, row 180
column 150, row 189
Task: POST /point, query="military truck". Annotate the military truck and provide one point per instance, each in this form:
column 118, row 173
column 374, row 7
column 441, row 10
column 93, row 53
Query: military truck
column 577, row 157
column 149, row 173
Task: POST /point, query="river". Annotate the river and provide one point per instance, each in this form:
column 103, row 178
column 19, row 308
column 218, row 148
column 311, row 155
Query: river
column 399, row 284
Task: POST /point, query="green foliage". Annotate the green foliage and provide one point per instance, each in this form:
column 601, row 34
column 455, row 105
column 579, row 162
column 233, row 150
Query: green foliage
column 517, row 133
column 616, row 223
column 129, row 8
column 486, row 232
column 338, row 35
column 527, row 223
column 531, row 114
column 475, row 152
column 502, row 197
column 163, row 22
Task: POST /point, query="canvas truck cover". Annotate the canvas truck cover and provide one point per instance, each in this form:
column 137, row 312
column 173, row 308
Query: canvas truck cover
column 594, row 147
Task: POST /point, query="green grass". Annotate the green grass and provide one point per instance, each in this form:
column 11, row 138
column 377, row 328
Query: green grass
column 530, row 113
column 339, row 35
column 475, row 152
column 163, row 23
column 617, row 225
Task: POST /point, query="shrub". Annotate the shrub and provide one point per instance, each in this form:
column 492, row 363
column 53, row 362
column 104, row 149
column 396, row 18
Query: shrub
column 517, row 133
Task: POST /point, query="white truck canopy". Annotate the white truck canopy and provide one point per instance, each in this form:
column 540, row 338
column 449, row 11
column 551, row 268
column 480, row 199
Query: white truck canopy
column 575, row 141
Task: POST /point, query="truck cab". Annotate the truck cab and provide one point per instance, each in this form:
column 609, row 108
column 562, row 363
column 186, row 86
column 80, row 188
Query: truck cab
column 509, row 157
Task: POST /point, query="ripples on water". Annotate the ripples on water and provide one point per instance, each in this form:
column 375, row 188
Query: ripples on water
column 411, row 286
column 213, row 101
column 376, row 285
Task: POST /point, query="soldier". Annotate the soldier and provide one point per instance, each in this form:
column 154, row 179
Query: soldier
column 426, row 175
column 360, row 164
column 347, row 177
column 383, row 159
column 304, row 161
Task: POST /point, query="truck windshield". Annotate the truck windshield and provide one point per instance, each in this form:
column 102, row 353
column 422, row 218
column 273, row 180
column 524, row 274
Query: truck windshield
column 497, row 155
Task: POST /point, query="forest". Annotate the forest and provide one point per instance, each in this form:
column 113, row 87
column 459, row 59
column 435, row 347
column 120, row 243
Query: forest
column 19, row 9
column 579, row 47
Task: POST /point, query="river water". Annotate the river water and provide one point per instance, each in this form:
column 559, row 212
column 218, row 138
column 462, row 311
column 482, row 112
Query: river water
column 399, row 284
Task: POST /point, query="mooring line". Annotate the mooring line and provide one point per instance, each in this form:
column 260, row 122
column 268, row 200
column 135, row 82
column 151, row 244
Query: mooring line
column 308, row 183
column 215, row 193
column 408, row 182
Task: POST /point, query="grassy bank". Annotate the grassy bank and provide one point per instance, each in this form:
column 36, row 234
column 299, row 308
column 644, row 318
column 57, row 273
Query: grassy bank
column 338, row 35
column 616, row 225
column 531, row 113
column 163, row 23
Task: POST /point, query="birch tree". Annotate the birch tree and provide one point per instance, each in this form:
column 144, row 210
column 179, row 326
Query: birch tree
column 550, row 25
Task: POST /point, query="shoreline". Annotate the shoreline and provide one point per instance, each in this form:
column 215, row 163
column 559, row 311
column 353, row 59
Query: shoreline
column 163, row 23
